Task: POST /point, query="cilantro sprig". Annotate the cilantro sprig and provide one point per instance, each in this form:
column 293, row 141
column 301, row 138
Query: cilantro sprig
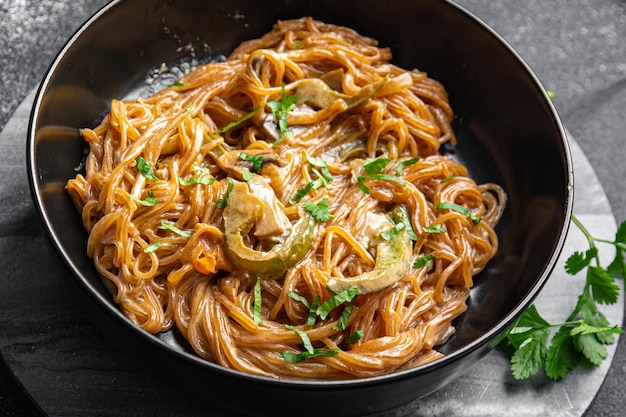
column 280, row 109
column 319, row 211
column 582, row 337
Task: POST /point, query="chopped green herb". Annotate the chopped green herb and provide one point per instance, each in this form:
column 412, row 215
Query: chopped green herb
column 405, row 223
column 258, row 302
column 336, row 300
column 257, row 160
column 296, row 358
column 321, row 164
column 168, row 225
column 389, row 234
column 309, row 352
column 149, row 201
column 446, row 179
column 302, row 192
column 460, row 209
column 312, row 306
column 191, row 111
column 145, row 168
column 280, row 109
column 319, row 211
column 178, row 83
column 303, row 336
column 247, row 176
column 345, row 315
column 424, row 260
column 373, row 166
column 297, row 46
column 152, row 247
column 435, row 228
column 551, row 94
column 236, row 122
column 407, row 163
column 383, row 177
column 223, row 202
column 583, row 335
column 354, row 337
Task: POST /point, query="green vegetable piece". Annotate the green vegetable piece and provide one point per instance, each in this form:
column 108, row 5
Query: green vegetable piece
column 240, row 216
column 393, row 260
column 319, row 211
column 315, row 92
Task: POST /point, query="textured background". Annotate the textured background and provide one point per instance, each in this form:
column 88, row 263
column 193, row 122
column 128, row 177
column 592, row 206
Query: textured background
column 577, row 49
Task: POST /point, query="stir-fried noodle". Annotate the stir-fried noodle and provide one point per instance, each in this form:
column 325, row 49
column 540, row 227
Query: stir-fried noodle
column 287, row 209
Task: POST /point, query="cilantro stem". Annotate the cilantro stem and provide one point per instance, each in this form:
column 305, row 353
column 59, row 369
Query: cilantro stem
column 588, row 236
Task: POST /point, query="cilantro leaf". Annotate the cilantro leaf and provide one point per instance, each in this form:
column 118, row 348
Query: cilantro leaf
column 408, row 162
column 424, row 260
column 384, row 177
column 296, row 358
column 319, row 211
column 280, row 109
column 167, row 225
column 236, row 122
column 257, row 160
column 562, row 355
column 589, row 345
column 373, row 166
column 336, row 300
column 145, row 168
column 578, row 261
column 436, row 228
column 460, row 209
column 605, row 290
column 149, row 201
column 531, row 351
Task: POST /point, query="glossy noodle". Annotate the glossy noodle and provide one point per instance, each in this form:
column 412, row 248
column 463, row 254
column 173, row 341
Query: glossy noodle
column 287, row 209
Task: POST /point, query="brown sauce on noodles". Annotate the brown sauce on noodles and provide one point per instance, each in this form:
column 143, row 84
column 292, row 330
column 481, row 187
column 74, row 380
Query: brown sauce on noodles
column 206, row 208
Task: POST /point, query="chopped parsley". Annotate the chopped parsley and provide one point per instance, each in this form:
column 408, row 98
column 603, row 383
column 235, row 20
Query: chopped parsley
column 319, row 211
column 257, row 160
column 149, row 201
column 309, row 352
column 145, row 168
column 424, row 260
column 280, row 109
column 168, row 225
column 151, row 248
column 407, row 163
column 236, row 122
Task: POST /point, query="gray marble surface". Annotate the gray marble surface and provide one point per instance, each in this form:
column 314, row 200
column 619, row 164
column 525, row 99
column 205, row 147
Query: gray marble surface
column 577, row 49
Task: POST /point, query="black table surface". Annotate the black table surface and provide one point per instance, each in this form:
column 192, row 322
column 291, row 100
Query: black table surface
column 576, row 48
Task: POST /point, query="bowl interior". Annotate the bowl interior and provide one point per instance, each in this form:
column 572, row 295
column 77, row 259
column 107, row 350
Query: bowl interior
column 507, row 130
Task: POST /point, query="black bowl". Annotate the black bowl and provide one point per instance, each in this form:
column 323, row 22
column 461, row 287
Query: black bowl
column 507, row 129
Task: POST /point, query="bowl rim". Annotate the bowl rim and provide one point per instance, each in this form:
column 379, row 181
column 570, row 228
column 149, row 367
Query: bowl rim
column 503, row 324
